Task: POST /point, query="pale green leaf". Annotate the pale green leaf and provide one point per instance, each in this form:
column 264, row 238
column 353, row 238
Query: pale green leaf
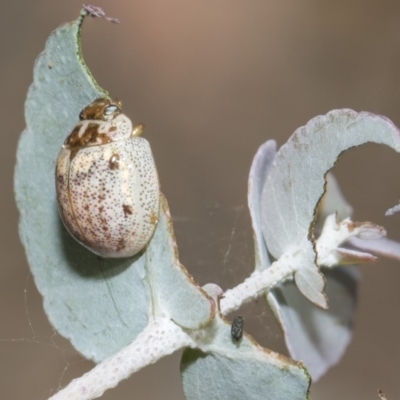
column 173, row 290
column 101, row 305
column 225, row 369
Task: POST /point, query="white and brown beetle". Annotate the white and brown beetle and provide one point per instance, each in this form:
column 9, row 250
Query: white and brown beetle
column 107, row 183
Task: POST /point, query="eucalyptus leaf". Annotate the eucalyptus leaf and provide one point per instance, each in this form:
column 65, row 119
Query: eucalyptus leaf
column 332, row 202
column 296, row 184
column 318, row 337
column 223, row 369
column 296, row 181
column 174, row 291
column 259, row 170
column 101, row 305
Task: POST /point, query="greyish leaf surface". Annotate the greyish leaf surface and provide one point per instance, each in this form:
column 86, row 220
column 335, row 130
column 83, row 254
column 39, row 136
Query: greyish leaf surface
column 259, row 170
column 225, row 369
column 296, row 181
column 306, row 328
column 173, row 290
column 317, row 337
column 101, row 305
column 320, row 337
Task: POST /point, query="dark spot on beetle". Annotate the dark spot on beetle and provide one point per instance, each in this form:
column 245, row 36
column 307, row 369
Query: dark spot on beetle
column 90, row 137
column 103, row 220
column 60, row 179
column 127, row 210
column 89, row 220
column 120, row 244
column 113, row 162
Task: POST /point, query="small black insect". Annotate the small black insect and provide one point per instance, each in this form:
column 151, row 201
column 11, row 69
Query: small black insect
column 237, row 328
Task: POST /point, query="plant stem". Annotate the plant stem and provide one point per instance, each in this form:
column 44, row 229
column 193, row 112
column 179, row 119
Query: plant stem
column 160, row 338
column 257, row 283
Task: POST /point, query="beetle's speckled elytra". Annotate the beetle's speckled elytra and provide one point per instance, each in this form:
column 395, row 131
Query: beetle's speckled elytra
column 107, row 183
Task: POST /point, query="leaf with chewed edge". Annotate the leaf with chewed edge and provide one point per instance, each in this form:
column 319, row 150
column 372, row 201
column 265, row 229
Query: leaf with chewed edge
column 101, row 305
column 320, row 337
column 296, row 183
column 317, row 337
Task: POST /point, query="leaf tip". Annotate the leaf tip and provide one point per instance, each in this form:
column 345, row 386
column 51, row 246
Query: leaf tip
column 97, row 12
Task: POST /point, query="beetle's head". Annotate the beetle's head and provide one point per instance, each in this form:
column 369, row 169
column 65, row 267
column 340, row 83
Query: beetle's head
column 102, row 109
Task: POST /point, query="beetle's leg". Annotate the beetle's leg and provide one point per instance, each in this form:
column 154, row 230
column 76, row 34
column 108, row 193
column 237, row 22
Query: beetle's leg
column 137, row 130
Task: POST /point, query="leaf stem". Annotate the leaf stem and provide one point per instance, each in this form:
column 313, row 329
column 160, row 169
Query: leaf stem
column 160, row 338
column 256, row 284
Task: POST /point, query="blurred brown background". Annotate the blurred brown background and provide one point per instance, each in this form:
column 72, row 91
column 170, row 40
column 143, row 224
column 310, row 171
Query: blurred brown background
column 212, row 80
